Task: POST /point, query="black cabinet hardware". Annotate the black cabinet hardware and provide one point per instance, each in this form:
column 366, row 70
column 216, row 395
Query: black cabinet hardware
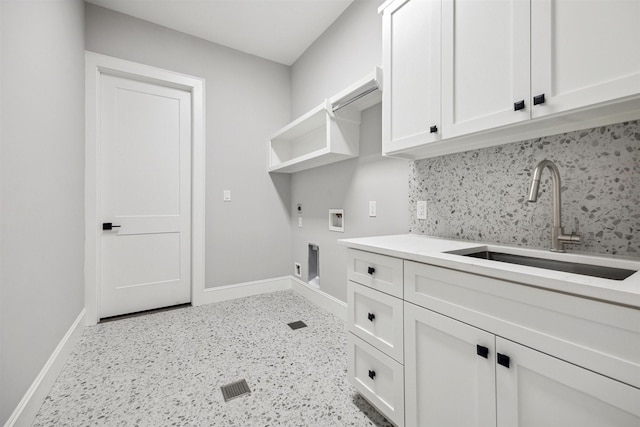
column 371, row 270
column 433, row 129
column 108, row 226
column 372, row 374
column 518, row 105
column 482, row 351
column 538, row 99
column 503, row 360
column 371, row 316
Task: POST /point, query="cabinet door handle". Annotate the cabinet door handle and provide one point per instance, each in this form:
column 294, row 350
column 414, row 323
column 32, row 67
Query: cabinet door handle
column 538, row 99
column 109, row 226
column 503, row 360
column 372, row 374
column 518, row 105
column 482, row 351
column 371, row 316
column 371, row 270
column 433, row 129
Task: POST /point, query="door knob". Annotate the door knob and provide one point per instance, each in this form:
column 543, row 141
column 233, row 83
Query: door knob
column 109, row 226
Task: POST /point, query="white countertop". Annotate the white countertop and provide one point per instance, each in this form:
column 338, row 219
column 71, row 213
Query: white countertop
column 432, row 250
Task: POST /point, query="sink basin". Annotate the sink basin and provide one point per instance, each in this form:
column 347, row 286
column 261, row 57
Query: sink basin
column 611, row 273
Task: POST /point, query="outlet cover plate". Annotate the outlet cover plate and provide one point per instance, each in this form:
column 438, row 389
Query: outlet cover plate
column 421, row 211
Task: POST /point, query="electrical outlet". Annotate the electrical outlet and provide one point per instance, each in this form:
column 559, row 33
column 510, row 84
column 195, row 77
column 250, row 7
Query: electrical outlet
column 300, row 222
column 226, row 195
column 421, row 211
column 297, row 269
column 372, row 208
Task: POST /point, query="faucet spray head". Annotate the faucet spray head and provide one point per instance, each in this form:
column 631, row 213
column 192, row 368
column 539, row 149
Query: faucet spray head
column 533, row 193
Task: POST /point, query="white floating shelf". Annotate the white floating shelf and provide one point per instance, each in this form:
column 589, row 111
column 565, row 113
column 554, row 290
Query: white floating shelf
column 323, row 136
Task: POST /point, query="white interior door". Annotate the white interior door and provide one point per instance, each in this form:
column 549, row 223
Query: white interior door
column 145, row 175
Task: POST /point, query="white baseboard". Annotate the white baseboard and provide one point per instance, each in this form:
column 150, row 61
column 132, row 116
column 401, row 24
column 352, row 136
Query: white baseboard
column 28, row 408
column 240, row 290
column 323, row 300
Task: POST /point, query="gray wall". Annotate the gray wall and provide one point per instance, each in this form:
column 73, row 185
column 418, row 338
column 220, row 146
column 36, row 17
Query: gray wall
column 41, row 196
column 346, row 52
column 247, row 99
column 482, row 194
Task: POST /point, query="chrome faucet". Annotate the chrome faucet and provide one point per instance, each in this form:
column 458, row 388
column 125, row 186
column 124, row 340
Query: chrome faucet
column 558, row 238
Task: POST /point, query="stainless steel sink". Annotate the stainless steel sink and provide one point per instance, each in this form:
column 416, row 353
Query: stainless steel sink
column 611, row 273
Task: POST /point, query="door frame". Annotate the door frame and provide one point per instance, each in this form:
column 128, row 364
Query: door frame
column 96, row 65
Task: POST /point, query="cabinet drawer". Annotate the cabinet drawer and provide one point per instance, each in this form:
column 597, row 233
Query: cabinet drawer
column 379, row 378
column 376, row 318
column 379, row 272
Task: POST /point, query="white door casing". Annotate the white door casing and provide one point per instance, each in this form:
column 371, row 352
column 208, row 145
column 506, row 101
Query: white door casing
column 145, row 136
column 162, row 219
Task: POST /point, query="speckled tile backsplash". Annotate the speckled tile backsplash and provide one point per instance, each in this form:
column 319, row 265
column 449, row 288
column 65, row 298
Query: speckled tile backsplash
column 482, row 195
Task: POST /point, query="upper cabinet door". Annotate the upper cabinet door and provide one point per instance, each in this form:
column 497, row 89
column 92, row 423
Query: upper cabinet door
column 583, row 53
column 485, row 64
column 411, row 64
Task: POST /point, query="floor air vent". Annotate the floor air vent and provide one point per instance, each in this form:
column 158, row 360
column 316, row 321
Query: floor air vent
column 297, row 325
column 235, row 389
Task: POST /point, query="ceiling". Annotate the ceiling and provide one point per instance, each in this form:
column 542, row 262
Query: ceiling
column 278, row 30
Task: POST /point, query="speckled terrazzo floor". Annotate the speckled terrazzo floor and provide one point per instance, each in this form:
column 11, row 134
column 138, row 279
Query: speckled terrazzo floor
column 166, row 369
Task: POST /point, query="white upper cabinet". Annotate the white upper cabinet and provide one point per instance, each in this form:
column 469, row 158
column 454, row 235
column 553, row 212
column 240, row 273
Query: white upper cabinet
column 485, row 64
column 583, row 53
column 469, row 74
column 411, row 60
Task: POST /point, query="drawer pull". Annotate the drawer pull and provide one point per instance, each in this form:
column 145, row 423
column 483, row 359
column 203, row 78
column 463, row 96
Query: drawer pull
column 518, row 105
column 371, row 316
column 371, row 270
column 503, row 360
column 433, row 129
column 372, row 374
column 538, row 99
column 482, row 351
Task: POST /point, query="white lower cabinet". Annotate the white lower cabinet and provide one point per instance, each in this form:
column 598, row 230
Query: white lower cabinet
column 377, row 377
column 540, row 390
column 431, row 346
column 459, row 375
column 449, row 371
